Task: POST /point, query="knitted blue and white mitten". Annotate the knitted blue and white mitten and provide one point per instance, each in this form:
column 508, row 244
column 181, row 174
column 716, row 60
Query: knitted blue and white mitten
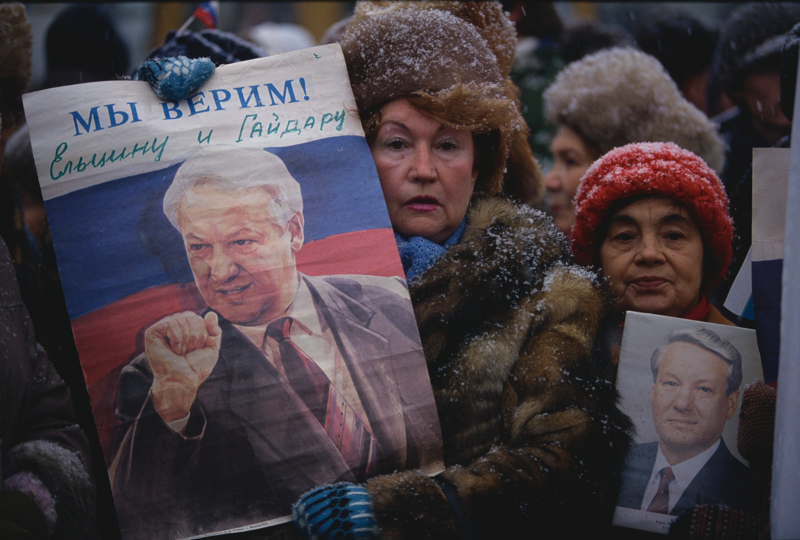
column 340, row 510
column 175, row 78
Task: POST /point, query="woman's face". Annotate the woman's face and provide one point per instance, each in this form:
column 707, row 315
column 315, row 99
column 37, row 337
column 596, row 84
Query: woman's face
column 653, row 257
column 426, row 171
column 572, row 158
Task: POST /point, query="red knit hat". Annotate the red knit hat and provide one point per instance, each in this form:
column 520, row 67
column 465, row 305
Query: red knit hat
column 659, row 169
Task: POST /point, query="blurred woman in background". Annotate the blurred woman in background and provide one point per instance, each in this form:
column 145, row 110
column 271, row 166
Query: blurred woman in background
column 609, row 99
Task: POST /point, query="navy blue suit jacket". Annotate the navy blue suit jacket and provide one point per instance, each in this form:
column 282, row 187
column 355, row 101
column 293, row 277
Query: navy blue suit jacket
column 723, row 480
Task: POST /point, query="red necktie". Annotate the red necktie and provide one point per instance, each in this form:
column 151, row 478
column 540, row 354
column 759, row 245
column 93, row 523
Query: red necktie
column 310, row 383
column 305, row 376
column 660, row 503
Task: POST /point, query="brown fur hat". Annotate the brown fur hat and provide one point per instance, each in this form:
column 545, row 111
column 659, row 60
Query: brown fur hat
column 15, row 56
column 453, row 59
column 619, row 96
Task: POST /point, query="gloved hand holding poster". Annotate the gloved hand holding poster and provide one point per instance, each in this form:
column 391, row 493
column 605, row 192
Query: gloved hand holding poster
column 235, row 292
column 681, row 382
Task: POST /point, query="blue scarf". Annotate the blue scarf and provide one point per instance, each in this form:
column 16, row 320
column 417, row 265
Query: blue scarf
column 418, row 254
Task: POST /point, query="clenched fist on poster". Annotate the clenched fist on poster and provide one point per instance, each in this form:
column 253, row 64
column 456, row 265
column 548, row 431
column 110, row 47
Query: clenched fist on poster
column 182, row 350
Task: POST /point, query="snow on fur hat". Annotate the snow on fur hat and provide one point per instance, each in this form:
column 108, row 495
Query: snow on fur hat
column 661, row 170
column 15, row 56
column 396, row 48
column 458, row 53
column 621, row 95
column 751, row 37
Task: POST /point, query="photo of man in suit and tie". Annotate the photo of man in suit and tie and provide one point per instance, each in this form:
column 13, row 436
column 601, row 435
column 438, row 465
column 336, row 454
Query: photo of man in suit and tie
column 286, row 381
column 696, row 385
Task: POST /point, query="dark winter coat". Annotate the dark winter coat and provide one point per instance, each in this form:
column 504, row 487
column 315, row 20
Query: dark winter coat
column 38, row 430
column 533, row 439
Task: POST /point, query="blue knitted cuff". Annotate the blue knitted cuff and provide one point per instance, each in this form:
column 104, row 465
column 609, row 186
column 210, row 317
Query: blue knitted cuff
column 340, row 510
column 175, row 78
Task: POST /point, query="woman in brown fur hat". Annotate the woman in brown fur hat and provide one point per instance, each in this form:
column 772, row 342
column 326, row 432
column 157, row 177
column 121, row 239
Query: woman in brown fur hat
column 533, row 440
column 532, row 436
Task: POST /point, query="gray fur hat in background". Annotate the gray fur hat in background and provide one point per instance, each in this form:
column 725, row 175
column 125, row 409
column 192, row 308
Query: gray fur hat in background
column 751, row 39
column 619, row 96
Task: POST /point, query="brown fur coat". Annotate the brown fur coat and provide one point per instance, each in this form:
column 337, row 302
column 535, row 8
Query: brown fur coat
column 533, row 438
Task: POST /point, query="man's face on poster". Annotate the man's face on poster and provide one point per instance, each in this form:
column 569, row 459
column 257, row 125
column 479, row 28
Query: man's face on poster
column 242, row 256
column 690, row 406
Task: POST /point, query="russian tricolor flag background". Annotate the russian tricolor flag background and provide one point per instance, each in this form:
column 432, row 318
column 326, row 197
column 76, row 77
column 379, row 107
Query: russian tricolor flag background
column 207, row 14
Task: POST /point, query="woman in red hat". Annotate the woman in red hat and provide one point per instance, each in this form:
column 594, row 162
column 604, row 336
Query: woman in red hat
column 654, row 217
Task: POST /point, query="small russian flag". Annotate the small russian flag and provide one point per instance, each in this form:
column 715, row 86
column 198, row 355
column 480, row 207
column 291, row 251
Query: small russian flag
column 207, row 14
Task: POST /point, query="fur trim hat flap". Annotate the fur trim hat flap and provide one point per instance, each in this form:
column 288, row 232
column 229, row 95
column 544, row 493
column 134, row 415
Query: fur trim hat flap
column 656, row 169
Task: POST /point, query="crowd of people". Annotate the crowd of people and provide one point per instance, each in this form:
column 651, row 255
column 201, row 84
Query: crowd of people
column 519, row 279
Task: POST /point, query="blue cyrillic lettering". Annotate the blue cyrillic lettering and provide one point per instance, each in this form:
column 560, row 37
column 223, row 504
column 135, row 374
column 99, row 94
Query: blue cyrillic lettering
column 78, row 119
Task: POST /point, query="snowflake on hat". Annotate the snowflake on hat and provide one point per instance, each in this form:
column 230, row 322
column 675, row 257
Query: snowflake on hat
column 661, row 170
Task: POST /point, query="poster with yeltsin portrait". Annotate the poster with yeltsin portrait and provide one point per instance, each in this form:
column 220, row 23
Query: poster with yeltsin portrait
column 681, row 382
column 235, row 292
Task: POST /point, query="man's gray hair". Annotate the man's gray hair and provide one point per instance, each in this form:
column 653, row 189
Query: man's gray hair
column 710, row 341
column 236, row 169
